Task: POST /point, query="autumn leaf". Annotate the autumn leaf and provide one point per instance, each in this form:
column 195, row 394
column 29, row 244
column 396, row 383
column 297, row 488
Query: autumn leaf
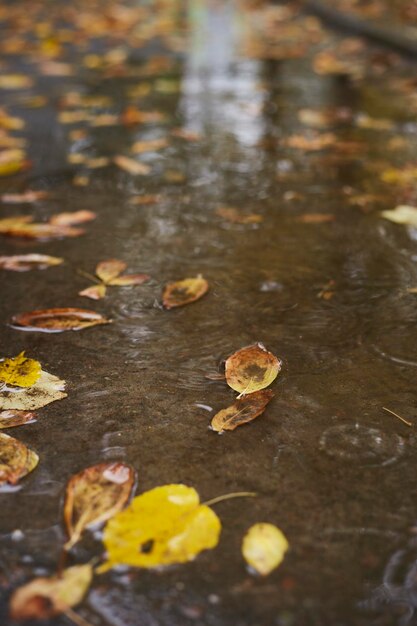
column 25, row 197
column 15, row 81
column 109, row 273
column 19, row 371
column 131, row 165
column 10, row 419
column 94, row 495
column 26, row 262
column 47, row 389
column 184, row 291
column 251, row 369
column 312, row 142
column 13, row 161
column 58, row 320
column 72, row 217
column 96, row 292
column 235, row 217
column 107, row 270
column 23, row 226
column 152, row 145
column 242, row 411
column 43, row 598
column 315, row 218
column 264, row 547
column 16, row 460
column 402, row 214
column 163, row 526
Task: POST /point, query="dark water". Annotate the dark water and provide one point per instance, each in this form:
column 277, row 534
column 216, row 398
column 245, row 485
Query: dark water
column 333, row 470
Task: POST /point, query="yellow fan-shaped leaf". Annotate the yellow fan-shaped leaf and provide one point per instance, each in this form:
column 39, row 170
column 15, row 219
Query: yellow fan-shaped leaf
column 264, row 547
column 184, row 291
column 163, row 526
column 251, row 369
column 43, row 598
column 19, row 371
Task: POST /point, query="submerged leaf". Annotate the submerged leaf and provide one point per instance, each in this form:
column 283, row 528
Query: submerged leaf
column 251, row 369
column 96, row 292
column 264, row 547
column 46, row 390
column 58, row 320
column 163, row 526
column 402, row 214
column 26, row 262
column 94, row 495
column 43, row 598
column 184, row 291
column 9, row 419
column 242, row 411
column 19, row 371
column 16, row 460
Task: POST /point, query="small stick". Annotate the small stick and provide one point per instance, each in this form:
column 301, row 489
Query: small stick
column 77, row 619
column 89, row 276
column 399, row 417
column 229, row 496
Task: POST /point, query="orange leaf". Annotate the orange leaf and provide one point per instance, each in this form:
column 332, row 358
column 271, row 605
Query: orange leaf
column 58, row 320
column 107, row 270
column 184, row 291
column 96, row 292
column 242, row 411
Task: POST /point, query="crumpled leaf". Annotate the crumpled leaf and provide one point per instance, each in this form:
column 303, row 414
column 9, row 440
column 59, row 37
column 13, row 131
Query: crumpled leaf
column 163, row 526
column 16, row 460
column 43, row 598
column 264, row 547
column 184, row 291
column 58, row 320
column 26, row 262
column 47, row 389
column 19, row 371
column 402, row 214
column 243, row 410
column 251, row 369
column 9, row 419
column 94, row 495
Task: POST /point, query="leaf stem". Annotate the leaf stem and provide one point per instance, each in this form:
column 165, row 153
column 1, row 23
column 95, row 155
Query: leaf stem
column 89, row 276
column 229, row 496
column 399, row 417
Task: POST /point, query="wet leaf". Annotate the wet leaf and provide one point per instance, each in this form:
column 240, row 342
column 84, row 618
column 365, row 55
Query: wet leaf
column 58, row 320
column 264, row 547
column 72, row 217
column 251, row 369
column 107, row 270
column 23, row 226
column 26, row 262
column 10, row 419
column 15, row 81
column 243, row 410
column 27, row 197
column 13, row 161
column 311, row 142
column 184, row 291
column 131, row 166
column 129, row 279
column 16, row 460
column 151, row 145
column 315, row 218
column 46, row 390
column 94, row 495
column 235, row 217
column 43, row 598
column 109, row 273
column 96, row 292
column 163, row 526
column 19, row 371
column 402, row 214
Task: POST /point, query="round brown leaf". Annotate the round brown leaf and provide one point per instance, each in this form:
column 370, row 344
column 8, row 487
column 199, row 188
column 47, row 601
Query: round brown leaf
column 242, row 411
column 58, row 320
column 184, row 291
column 251, row 369
column 16, row 460
column 9, row 419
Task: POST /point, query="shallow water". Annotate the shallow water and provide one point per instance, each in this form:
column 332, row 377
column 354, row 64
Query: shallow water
column 333, row 470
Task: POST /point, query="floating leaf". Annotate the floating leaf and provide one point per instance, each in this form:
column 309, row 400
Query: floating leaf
column 96, row 292
column 47, row 389
column 94, row 495
column 235, row 217
column 264, row 547
column 23, row 226
column 184, row 291
column 13, row 161
column 16, row 460
column 315, row 218
column 402, row 214
column 251, row 369
column 19, row 371
column 129, row 279
column 9, row 419
column 107, row 270
column 58, row 320
column 72, row 217
column 242, row 411
column 25, row 197
column 109, row 273
column 44, row 598
column 131, row 166
column 163, row 526
column 151, row 145
column 26, row 262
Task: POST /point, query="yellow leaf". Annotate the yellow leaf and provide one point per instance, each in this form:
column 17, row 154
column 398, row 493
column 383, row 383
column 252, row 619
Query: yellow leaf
column 16, row 460
column 184, row 291
column 402, row 214
column 251, row 369
column 264, row 547
column 95, row 292
column 19, row 371
column 94, row 495
column 163, row 526
column 43, row 598
column 107, row 270
column 242, row 411
column 47, row 389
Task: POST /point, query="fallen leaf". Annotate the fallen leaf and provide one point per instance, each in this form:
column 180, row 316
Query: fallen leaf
column 184, row 291
column 47, row 389
column 403, row 176
column 131, row 116
column 264, row 547
column 19, row 371
column 73, row 217
column 9, row 419
column 26, row 262
column 152, row 145
column 163, row 526
column 15, row 81
column 94, row 495
column 109, row 273
column 58, row 320
column 184, row 133
column 315, row 218
column 251, row 369
column 44, row 598
column 16, row 460
column 312, row 142
column 235, row 217
column 145, row 199
column 23, row 226
column 131, row 166
column 107, row 270
column 243, row 410
column 96, row 292
column 12, row 161
column 402, row 214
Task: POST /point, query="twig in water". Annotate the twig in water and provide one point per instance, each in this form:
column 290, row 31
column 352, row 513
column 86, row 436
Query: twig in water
column 229, row 496
column 399, row 417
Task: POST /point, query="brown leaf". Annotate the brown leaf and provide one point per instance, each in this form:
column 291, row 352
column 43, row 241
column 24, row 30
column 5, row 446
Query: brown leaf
column 152, row 145
column 311, row 142
column 251, row 369
column 58, row 320
column 235, row 217
column 16, row 460
column 131, row 166
column 73, row 217
column 96, row 292
column 129, row 279
column 25, row 197
column 9, row 419
column 242, row 411
column 107, row 270
column 26, row 262
column 146, row 199
column 132, row 116
column 94, row 495
column 184, row 291
column 315, row 218
column 184, row 133
column 23, row 226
